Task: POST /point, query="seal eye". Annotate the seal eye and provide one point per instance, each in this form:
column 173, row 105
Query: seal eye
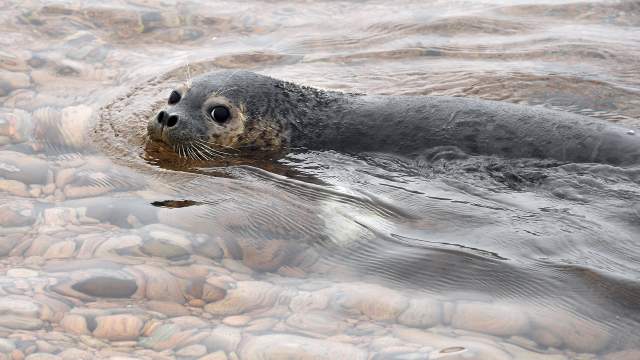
column 220, row 114
column 174, row 97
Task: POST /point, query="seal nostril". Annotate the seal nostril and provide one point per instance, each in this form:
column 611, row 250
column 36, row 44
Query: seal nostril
column 161, row 116
column 172, row 121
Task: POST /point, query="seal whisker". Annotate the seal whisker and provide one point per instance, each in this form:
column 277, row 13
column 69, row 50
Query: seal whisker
column 213, row 152
column 197, row 148
column 188, row 77
column 211, row 145
column 192, row 153
column 209, row 150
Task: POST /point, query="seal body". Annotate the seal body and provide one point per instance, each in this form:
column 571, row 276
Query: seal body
column 270, row 115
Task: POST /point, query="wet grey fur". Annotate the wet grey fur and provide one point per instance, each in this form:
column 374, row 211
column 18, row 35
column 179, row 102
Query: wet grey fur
column 322, row 120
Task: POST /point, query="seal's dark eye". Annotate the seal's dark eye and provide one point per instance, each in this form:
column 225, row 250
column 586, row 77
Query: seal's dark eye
column 220, row 114
column 174, row 97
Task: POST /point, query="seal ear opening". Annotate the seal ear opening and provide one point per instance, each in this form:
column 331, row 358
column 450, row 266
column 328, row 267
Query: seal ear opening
column 174, row 97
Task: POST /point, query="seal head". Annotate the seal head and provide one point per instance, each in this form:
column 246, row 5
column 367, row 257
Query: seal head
column 221, row 112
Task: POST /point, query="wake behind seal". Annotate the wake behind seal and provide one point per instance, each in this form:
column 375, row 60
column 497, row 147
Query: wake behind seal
column 225, row 112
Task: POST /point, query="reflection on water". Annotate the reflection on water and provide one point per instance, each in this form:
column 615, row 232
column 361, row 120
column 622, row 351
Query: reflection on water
column 110, row 247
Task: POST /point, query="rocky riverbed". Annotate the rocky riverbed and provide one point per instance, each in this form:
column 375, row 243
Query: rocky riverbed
column 75, row 285
column 118, row 255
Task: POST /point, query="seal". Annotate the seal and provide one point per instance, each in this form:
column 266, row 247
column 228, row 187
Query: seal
column 223, row 112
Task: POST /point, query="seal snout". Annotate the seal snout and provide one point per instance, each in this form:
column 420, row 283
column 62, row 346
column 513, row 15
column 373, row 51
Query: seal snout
column 164, row 119
column 159, row 126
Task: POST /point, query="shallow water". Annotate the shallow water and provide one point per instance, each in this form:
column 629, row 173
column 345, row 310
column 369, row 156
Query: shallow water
column 110, row 248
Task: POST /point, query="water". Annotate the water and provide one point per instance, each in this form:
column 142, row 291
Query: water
column 111, row 247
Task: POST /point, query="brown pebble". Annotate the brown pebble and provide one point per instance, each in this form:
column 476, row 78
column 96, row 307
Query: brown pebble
column 42, row 356
column 75, row 354
column 104, row 286
column 211, row 293
column 170, row 309
column 161, row 285
column 623, row 355
column 191, row 351
column 491, row 318
column 75, row 324
column 64, row 176
column 236, row 320
column 118, row 327
column 197, row 303
column 218, row 355
column 17, row 355
column 247, row 296
column 60, row 250
column 45, row 347
column 260, row 325
column 150, row 327
column 30, row 350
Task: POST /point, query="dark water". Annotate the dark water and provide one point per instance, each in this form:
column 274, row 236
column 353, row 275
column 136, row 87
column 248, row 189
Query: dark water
column 339, row 256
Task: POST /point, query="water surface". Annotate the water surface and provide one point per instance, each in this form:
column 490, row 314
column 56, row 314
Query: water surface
column 109, row 248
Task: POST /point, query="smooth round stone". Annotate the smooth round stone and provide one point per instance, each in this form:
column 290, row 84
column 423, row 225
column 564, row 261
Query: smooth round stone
column 75, row 354
column 169, row 234
column 306, row 301
column 453, row 348
column 269, row 256
column 60, row 216
column 76, row 125
column 15, row 125
column 6, row 346
column 223, row 338
column 236, row 320
column 196, row 303
column 161, row 337
column 218, row 355
column 14, row 187
column 623, row 355
column 260, row 325
column 521, row 353
column 45, row 347
column 400, row 353
column 563, row 328
column 494, row 319
column 195, row 350
column 170, row 309
column 20, row 323
column 118, row 327
column 317, row 323
column 75, row 324
column 21, row 273
column 161, row 341
column 19, row 306
column 235, row 266
column 23, row 168
column 10, row 81
column 292, row 347
column 13, row 214
column 117, row 244
column 60, row 250
column 211, row 293
column 104, row 286
column 42, row 356
column 189, row 322
column 421, row 313
column 64, row 177
column 248, row 295
column 373, row 301
column 161, row 285
column 160, row 248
